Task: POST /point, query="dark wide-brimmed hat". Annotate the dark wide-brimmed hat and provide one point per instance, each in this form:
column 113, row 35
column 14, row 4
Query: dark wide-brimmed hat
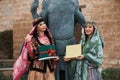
column 37, row 21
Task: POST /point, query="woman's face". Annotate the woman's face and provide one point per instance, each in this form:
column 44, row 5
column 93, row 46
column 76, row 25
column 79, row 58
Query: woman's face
column 41, row 26
column 89, row 29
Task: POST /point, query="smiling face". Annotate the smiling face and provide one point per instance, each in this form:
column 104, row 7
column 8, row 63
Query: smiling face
column 41, row 27
column 89, row 29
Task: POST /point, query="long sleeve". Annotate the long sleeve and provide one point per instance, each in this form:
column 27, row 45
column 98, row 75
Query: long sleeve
column 44, row 11
column 79, row 17
column 21, row 64
column 28, row 45
column 95, row 56
column 33, row 9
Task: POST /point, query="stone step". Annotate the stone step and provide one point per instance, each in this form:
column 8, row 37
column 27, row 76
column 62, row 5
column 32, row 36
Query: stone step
column 6, row 63
column 6, row 67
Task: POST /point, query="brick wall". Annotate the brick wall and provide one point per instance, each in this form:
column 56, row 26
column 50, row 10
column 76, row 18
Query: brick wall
column 22, row 23
column 6, row 16
column 104, row 12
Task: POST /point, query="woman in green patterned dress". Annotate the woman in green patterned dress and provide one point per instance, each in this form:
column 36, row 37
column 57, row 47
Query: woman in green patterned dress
column 88, row 65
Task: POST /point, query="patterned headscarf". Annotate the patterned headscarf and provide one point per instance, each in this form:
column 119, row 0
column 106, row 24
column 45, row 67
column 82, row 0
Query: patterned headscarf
column 21, row 65
column 92, row 44
column 93, row 53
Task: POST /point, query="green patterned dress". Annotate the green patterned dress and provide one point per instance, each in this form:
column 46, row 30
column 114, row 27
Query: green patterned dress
column 90, row 67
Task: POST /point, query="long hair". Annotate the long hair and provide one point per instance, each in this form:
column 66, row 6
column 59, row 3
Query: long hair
column 35, row 32
column 35, row 35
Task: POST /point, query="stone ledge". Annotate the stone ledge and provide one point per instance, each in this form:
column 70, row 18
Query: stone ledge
column 6, row 69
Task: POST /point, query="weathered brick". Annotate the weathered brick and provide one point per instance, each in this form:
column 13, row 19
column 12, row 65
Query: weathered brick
column 15, row 14
column 106, row 14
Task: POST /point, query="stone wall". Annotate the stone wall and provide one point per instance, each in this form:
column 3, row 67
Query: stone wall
column 21, row 24
column 104, row 12
column 6, row 16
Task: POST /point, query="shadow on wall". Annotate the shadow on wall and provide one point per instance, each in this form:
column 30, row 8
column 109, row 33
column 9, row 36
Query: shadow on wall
column 6, row 44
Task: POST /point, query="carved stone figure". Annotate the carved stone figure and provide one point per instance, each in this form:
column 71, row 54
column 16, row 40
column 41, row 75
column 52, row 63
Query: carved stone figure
column 61, row 17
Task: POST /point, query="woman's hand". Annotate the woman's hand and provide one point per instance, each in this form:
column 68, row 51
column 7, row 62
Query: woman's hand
column 80, row 57
column 56, row 59
column 66, row 59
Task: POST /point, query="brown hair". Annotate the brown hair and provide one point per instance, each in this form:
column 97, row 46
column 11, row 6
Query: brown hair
column 37, row 21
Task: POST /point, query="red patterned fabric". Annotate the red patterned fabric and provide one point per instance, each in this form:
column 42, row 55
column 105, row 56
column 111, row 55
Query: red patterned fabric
column 21, row 64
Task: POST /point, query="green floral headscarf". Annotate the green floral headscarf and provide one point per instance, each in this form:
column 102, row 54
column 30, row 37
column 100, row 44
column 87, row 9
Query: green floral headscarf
column 92, row 46
column 93, row 53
